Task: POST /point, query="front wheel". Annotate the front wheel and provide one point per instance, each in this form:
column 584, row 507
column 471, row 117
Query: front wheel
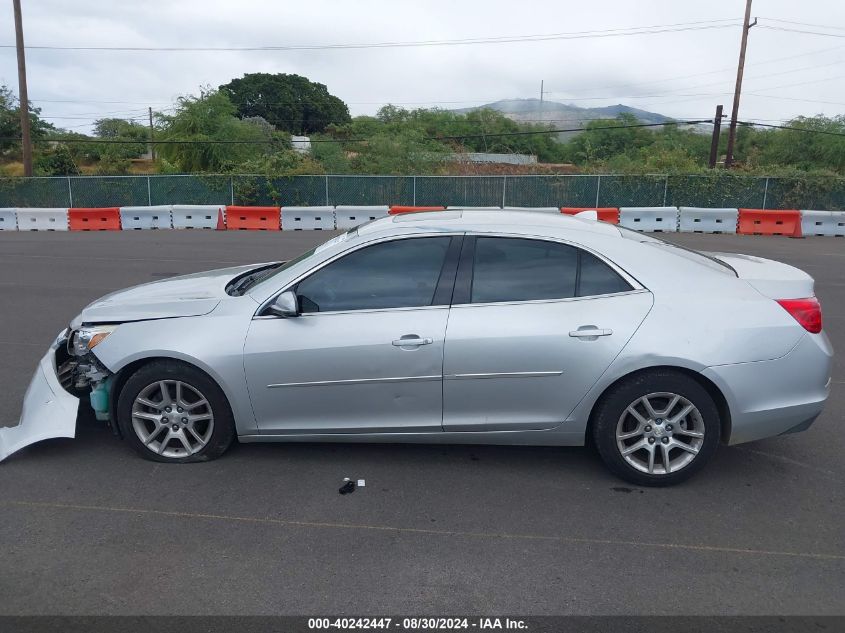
column 172, row 412
column 656, row 428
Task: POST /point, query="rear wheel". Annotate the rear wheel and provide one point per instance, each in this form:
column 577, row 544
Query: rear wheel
column 169, row 411
column 656, row 428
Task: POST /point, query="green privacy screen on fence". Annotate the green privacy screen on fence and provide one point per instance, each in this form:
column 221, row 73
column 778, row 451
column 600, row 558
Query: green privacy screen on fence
column 718, row 190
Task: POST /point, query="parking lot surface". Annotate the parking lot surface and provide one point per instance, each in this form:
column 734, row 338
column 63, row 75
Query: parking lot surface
column 88, row 527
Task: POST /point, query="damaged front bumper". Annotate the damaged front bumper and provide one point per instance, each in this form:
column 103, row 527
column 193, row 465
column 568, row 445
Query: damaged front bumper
column 48, row 410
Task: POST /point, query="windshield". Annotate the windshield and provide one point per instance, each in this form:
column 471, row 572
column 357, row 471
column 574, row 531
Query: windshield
column 241, row 284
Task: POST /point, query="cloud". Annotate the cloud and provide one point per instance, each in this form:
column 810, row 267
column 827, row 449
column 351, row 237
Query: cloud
column 659, row 72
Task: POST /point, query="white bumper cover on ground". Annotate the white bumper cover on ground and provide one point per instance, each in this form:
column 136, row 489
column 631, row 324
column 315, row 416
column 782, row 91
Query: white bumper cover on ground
column 48, row 411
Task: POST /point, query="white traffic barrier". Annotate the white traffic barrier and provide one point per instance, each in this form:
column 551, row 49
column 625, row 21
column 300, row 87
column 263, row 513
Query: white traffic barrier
column 350, row 216
column 42, row 219
column 702, row 220
column 307, row 218
column 651, row 219
column 823, row 223
column 537, row 209
column 8, row 219
column 196, row 216
column 135, row 218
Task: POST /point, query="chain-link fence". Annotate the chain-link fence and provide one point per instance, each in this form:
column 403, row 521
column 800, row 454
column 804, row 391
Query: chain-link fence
column 717, row 190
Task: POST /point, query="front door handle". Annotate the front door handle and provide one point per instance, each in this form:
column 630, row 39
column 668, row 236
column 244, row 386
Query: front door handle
column 590, row 331
column 412, row 340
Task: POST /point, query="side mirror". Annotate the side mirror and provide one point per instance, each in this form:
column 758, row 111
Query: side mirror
column 285, row 305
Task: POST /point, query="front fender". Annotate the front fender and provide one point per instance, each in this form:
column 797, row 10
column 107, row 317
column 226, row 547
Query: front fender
column 212, row 343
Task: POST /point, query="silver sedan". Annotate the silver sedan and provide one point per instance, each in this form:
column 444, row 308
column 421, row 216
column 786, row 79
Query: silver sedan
column 457, row 326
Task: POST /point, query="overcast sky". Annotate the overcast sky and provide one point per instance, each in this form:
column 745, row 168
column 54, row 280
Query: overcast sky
column 683, row 74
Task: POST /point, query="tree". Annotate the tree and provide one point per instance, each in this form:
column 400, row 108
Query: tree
column 289, row 102
column 122, row 129
column 211, row 117
column 806, row 150
column 10, row 121
column 115, row 157
column 55, row 161
column 605, row 139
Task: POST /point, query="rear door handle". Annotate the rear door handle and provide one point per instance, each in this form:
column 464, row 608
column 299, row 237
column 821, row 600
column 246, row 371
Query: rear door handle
column 590, row 332
column 412, row 340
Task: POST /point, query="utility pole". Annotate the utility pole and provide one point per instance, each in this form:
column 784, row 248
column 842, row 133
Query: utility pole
column 746, row 26
column 23, row 99
column 541, row 100
column 152, row 151
column 714, row 144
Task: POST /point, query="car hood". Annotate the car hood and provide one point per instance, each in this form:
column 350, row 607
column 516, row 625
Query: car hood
column 187, row 295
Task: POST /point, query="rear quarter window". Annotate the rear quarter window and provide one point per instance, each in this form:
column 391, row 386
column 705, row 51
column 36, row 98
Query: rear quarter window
column 597, row 278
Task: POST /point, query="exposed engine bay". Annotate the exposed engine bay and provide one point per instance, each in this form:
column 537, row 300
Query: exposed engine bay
column 80, row 372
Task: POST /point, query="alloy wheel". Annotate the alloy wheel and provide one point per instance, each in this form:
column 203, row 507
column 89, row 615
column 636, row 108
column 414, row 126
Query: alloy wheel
column 172, row 418
column 660, row 433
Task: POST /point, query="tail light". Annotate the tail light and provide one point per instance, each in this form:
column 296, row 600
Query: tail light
column 808, row 312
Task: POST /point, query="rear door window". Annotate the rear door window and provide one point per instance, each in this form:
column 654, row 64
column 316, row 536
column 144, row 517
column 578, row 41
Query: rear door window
column 518, row 269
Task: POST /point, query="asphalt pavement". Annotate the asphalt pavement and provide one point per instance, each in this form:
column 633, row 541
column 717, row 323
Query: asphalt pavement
column 87, row 527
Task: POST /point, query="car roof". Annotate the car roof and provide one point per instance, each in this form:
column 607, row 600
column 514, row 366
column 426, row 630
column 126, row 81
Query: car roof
column 476, row 220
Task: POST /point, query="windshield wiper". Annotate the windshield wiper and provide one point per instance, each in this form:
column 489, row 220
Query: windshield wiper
column 241, row 285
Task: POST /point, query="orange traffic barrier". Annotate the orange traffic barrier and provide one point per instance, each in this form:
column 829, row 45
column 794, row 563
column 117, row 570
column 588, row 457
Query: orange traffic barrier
column 94, row 219
column 769, row 222
column 396, row 209
column 605, row 214
column 253, row 218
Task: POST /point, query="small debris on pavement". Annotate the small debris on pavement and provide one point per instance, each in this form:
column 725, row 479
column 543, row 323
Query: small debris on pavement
column 347, row 487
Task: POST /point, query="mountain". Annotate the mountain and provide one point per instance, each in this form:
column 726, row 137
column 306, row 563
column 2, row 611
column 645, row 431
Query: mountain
column 563, row 115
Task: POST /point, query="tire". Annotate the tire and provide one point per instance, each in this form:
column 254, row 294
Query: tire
column 199, row 425
column 641, row 416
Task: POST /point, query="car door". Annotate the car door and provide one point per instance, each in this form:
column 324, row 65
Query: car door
column 366, row 352
column 533, row 325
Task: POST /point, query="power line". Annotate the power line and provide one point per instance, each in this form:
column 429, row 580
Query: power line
column 793, row 128
column 801, row 83
column 100, row 101
column 621, row 32
column 747, row 123
column 823, row 26
column 775, row 60
column 526, row 133
column 789, row 30
column 363, row 140
column 123, row 116
column 493, row 99
column 802, row 100
column 719, row 83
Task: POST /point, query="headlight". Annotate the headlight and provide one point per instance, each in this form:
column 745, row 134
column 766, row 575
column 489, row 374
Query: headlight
column 88, row 337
